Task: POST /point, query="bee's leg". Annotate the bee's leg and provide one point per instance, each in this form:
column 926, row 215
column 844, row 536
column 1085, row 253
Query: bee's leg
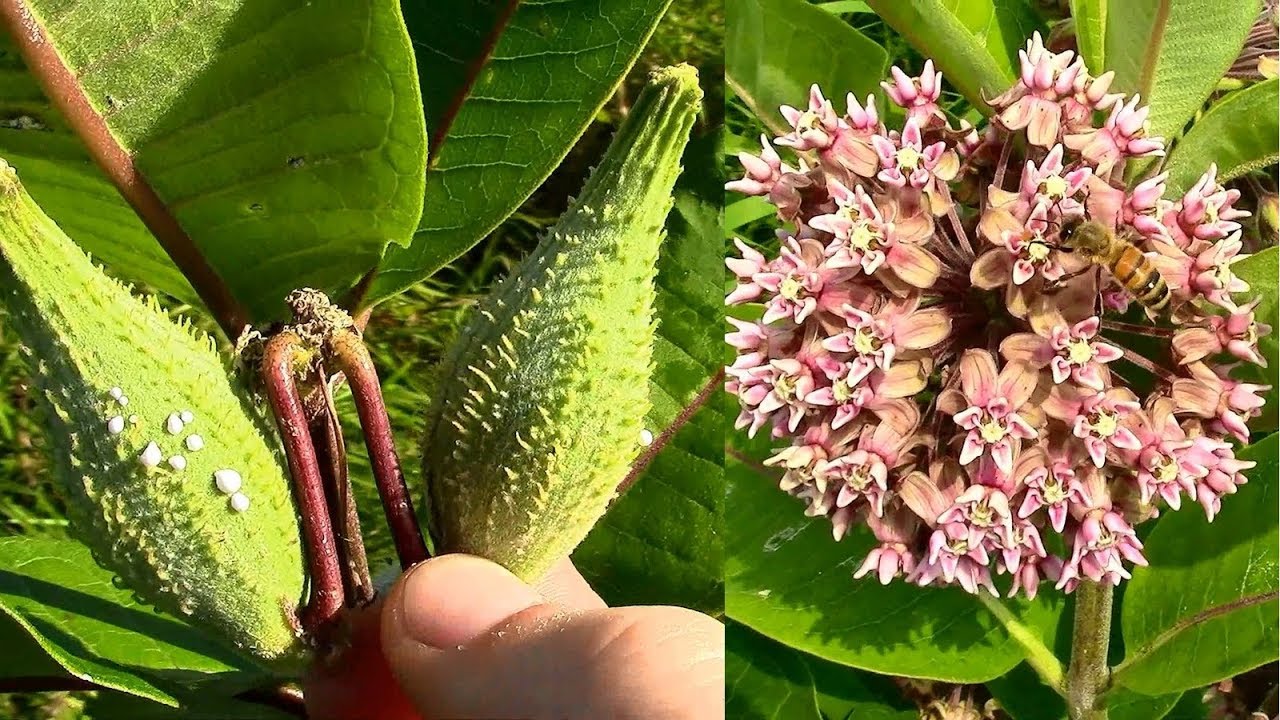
column 1055, row 285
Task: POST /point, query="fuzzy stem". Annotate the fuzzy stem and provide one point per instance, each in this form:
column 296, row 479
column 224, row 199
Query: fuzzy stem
column 331, row 452
column 278, row 368
column 1137, row 329
column 956, row 226
column 1002, row 164
column 1087, row 675
column 349, row 354
column 1146, row 364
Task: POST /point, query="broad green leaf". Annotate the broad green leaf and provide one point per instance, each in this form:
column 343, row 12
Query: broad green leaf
column 1205, row 608
column 746, row 210
column 1190, row 706
column 553, row 67
column 1001, row 26
column 845, row 7
column 1125, row 704
column 962, row 56
column 1090, row 18
column 287, row 139
column 58, row 172
column 767, row 680
column 661, row 541
column 776, row 49
column 1260, row 271
column 195, row 706
column 98, row 632
column 1238, row 133
column 786, row 578
column 1174, row 52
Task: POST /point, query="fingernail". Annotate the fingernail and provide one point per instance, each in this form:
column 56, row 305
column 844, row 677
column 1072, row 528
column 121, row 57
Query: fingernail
column 452, row 599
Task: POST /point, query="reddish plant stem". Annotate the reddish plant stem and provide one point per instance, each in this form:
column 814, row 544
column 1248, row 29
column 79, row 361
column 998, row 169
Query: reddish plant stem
column 1146, row 364
column 331, row 453
column 66, row 93
column 349, row 355
column 1136, row 329
column 279, row 361
column 1001, row 165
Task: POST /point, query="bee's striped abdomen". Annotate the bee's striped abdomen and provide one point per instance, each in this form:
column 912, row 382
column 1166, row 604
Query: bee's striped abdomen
column 1136, row 273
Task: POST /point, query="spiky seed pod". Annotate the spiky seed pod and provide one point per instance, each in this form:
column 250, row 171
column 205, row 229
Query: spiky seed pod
column 163, row 527
column 540, row 407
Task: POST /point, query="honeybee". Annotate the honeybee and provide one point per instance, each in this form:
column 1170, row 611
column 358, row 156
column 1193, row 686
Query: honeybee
column 1131, row 268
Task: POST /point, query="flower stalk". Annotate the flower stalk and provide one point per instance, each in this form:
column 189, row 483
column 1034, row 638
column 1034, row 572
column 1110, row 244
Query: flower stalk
column 1087, row 675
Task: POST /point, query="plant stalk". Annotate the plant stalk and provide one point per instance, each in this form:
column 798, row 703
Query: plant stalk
column 1088, row 675
column 349, row 355
column 278, row 374
column 331, row 452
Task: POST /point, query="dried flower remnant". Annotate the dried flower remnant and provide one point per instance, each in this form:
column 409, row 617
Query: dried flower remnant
column 949, row 376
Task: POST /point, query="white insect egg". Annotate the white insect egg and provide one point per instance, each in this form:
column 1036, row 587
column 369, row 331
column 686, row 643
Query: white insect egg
column 646, row 437
column 177, row 462
column 115, row 425
column 151, row 455
column 228, row 481
column 173, row 423
column 133, row 419
column 239, row 502
column 194, row 443
column 187, row 416
column 123, row 400
column 115, row 393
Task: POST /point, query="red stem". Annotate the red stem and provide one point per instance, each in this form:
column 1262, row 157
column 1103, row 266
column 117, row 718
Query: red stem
column 326, row 600
column 331, row 454
column 351, row 357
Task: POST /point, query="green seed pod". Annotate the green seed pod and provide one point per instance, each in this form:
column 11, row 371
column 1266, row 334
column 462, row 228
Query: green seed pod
column 541, row 402
column 168, row 472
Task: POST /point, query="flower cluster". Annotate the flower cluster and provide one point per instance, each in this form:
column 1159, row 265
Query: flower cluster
column 944, row 371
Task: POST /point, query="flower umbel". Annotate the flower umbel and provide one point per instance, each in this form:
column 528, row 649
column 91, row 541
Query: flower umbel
column 946, row 375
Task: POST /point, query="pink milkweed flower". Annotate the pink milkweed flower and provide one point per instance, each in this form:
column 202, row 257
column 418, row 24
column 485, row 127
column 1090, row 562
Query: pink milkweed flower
column 1122, row 136
column 1027, row 576
column 1070, row 352
column 884, row 242
column 812, row 129
column 862, row 472
column 1048, row 186
column 1088, row 94
column 1204, row 269
column 759, row 173
column 957, row 553
column 1033, row 103
column 783, row 384
column 991, row 405
column 1019, row 540
column 896, row 531
column 1164, row 468
column 919, row 95
column 857, row 385
column 1210, row 394
column 1102, row 542
column 1236, row 333
column 1207, row 211
column 897, row 325
column 1223, row 473
column 1142, row 207
column 800, row 283
column 904, row 160
column 1095, row 418
column 985, row 510
column 1051, row 482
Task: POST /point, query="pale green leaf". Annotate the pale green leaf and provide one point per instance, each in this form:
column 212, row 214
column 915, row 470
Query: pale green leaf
column 1090, row 18
column 1239, row 133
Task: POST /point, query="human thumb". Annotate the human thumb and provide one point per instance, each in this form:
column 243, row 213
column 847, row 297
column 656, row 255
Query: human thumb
column 464, row 638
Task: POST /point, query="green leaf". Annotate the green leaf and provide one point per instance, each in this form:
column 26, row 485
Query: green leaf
column 1238, row 133
column 1024, row 697
column 1205, row 608
column 1260, row 271
column 660, row 542
column 787, row 579
column 551, row 70
column 1191, row 706
column 287, row 139
column 1090, row 18
column 1125, row 704
column 964, row 58
column 196, row 706
column 1001, row 26
column 1174, row 53
column 845, row 7
column 98, row 632
column 746, row 210
column 776, row 49
column 767, row 680
column 58, row 172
